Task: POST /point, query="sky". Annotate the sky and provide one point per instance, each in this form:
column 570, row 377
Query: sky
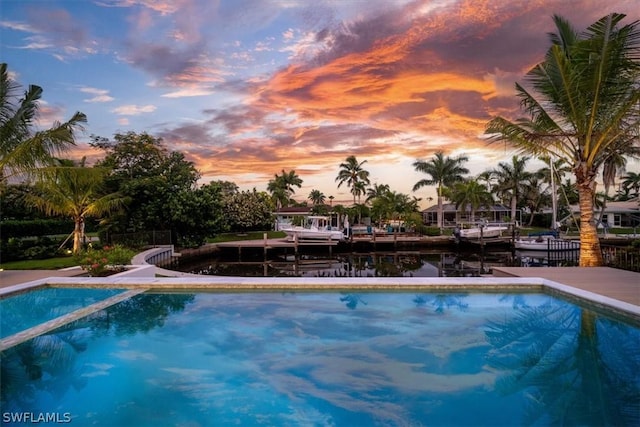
column 248, row 88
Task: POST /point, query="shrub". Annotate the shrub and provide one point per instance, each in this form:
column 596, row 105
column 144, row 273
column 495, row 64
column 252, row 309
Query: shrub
column 105, row 261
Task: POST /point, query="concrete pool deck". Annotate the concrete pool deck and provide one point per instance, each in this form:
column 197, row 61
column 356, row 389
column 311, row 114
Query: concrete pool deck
column 613, row 283
column 611, row 289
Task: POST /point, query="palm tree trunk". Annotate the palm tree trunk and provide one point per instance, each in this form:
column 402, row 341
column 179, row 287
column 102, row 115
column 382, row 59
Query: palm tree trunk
column 514, row 205
column 440, row 212
column 77, row 233
column 590, row 252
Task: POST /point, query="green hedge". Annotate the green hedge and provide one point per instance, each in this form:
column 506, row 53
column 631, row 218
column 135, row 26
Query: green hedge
column 36, row 227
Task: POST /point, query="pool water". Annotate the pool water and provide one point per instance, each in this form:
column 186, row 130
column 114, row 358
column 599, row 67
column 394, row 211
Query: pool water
column 332, row 359
column 29, row 309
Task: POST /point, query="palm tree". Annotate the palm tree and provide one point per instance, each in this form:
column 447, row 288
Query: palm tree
column 511, row 179
column 534, row 195
column 470, row 195
column 631, row 181
column 378, row 190
column 317, row 197
column 21, row 148
column 444, row 172
column 74, row 191
column 611, row 167
column 281, row 187
column 584, row 109
column 352, row 173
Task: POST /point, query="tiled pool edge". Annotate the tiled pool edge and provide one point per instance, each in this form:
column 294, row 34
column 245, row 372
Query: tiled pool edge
column 43, row 328
column 247, row 284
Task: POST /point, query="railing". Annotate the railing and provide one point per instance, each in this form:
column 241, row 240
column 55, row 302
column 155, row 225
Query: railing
column 160, row 256
column 621, row 257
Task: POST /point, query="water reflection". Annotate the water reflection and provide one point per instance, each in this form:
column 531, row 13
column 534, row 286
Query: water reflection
column 378, row 264
column 333, row 359
column 576, row 367
column 48, row 362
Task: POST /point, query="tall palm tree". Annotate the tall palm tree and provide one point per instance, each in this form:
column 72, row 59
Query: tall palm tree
column 351, row 172
column 74, row 191
column 511, row 178
column 584, row 108
column 317, row 197
column 23, row 149
column 443, row 172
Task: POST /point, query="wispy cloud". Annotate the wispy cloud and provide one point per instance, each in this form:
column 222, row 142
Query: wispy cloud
column 134, row 110
column 99, row 95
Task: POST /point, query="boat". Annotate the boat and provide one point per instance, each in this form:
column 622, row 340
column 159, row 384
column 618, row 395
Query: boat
column 315, row 228
column 546, row 242
column 484, row 230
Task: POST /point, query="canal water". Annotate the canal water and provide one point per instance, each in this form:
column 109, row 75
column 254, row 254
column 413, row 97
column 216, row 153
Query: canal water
column 397, row 263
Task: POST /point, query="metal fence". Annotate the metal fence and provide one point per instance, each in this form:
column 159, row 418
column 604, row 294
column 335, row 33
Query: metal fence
column 621, row 257
column 141, row 239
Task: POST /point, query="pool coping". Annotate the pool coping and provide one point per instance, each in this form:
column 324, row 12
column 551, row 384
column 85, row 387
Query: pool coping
column 41, row 329
column 244, row 284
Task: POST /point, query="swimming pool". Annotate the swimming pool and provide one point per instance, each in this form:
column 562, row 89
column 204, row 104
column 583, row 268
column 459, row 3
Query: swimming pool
column 331, row 358
column 32, row 308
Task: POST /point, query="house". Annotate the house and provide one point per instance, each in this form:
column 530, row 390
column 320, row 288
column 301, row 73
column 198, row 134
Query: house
column 616, row 214
column 453, row 216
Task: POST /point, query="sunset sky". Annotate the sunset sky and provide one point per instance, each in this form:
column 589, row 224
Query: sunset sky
column 247, row 88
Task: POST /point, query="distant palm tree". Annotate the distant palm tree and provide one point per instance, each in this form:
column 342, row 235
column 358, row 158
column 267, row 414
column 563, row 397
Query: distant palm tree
column 23, row 149
column 444, row 172
column 351, row 172
column 510, row 181
column 281, row 187
column 470, row 196
column 584, row 108
column 74, row 191
column 614, row 164
column 317, row 197
column 534, row 196
column 378, row 190
column 631, row 181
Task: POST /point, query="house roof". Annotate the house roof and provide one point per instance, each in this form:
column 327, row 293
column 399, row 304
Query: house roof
column 450, row 207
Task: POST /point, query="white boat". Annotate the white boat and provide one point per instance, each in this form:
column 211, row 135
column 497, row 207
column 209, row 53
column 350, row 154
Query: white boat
column 315, row 228
column 547, row 242
column 483, row 230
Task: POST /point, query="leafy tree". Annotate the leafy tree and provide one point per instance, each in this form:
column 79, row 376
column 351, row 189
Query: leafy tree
column 583, row 108
column 74, row 191
column 248, row 210
column 13, row 204
column 161, row 187
column 22, row 149
column 444, row 172
column 352, row 173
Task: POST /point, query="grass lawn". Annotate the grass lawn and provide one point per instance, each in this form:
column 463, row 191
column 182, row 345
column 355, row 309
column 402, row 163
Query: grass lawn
column 40, row 264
